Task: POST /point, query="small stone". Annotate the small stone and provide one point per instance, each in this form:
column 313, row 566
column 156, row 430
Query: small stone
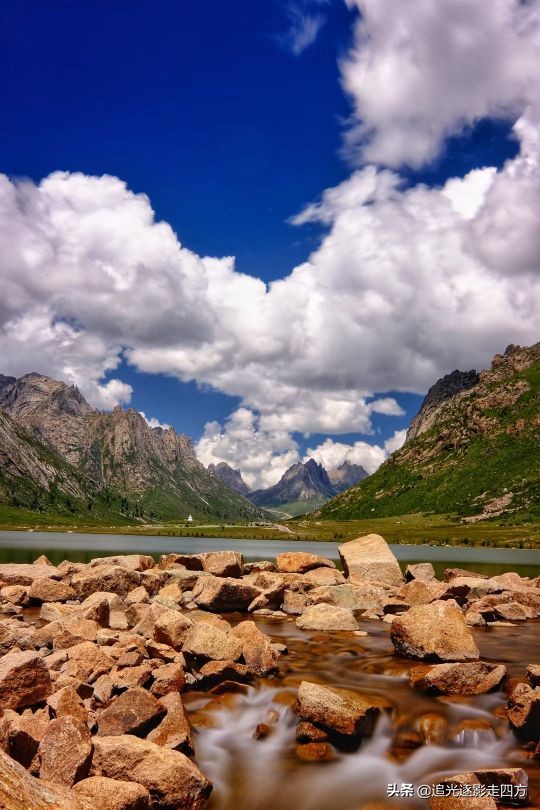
column 327, row 618
column 315, row 752
column 174, row 731
column 474, row 678
column 307, row 732
column 533, row 674
column 131, row 713
column 338, row 710
column 421, row 572
column 113, row 794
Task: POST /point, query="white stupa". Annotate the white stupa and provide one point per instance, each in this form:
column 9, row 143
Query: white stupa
column 190, row 519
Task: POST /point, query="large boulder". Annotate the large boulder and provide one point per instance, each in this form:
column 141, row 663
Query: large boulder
column 112, row 794
column 135, row 562
column 22, row 735
column 174, row 731
column 133, row 712
column 223, row 563
column 223, row 594
column 524, row 712
column 337, row 710
column 434, row 632
column 112, row 578
column 171, row 628
column 327, row 618
column 65, row 751
column 49, row 590
column 171, row 778
column 20, row 791
column 26, row 574
column 258, row 652
column 419, row 592
column 472, row 678
column 299, row 562
column 207, row 643
column 422, row 572
column 24, row 680
column 370, row 559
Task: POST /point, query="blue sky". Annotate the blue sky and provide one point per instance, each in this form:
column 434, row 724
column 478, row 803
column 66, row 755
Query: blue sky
column 206, row 109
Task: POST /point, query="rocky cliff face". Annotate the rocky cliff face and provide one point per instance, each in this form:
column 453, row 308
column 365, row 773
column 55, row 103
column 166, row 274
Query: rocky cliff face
column 230, row 476
column 346, row 476
column 472, row 451
column 301, row 482
column 116, row 456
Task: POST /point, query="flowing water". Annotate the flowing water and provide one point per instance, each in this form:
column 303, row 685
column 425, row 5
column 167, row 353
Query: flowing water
column 268, row 773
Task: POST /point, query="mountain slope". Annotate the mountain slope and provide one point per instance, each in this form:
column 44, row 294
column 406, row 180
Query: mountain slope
column 129, row 467
column 302, row 488
column 473, row 450
column 231, row 477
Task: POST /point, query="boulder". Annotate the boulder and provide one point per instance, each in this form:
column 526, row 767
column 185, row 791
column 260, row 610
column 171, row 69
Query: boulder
column 171, row 778
column 71, row 631
column 223, row 594
column 24, row 680
column 66, row 702
column 459, row 798
column 171, row 628
column 434, row 632
column 174, row 731
column 511, row 612
column 112, row 794
column 473, row 678
column 524, row 712
column 336, row 710
column 258, row 652
column 87, row 661
column 294, row 602
column 133, row 712
column 135, row 562
column 65, row 751
column 205, row 643
column 25, row 574
column 113, row 578
column 16, row 634
column 421, row 572
column 533, row 674
column 369, row 558
column 20, row 791
column 327, row 618
column 24, row 734
column 299, row 562
column 215, row 672
column 223, row 563
column 420, row 592
column 324, row 576
column 168, row 678
column 49, row 590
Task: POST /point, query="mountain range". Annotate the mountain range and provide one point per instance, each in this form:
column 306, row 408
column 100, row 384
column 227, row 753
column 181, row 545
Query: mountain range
column 473, row 450
column 302, row 488
column 59, row 455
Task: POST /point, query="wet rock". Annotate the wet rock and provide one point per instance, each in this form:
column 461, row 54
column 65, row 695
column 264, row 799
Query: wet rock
column 524, row 712
column 24, row 680
column 65, row 751
column 369, row 558
column 215, row 672
column 434, row 632
column 307, row 732
column 49, row 590
column 515, row 778
column 262, row 731
column 222, row 594
column 168, row 678
column 294, row 603
column 299, row 562
column 474, row 678
column 112, row 578
column 170, row 777
column 421, row 572
column 20, row 791
column 461, row 802
column 24, row 574
column 533, row 674
column 133, row 712
column 258, row 652
column 433, row 728
column 112, row 794
column 174, row 731
column 327, row 618
column 511, row 612
column 315, row 752
column 171, row 628
column 337, row 710
column 135, row 562
column 208, row 643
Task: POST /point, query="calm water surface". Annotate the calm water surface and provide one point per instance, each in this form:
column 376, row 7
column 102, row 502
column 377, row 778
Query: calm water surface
column 266, row 774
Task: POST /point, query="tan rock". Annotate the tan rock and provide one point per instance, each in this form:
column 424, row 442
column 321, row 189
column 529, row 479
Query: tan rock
column 49, row 590
column 65, row 751
column 98, row 606
column 24, row 680
column 421, row 572
column 299, row 562
column 337, row 710
column 137, row 596
column 15, row 634
column 327, row 618
column 294, row 603
column 171, row 628
column 258, row 652
column 511, row 612
column 533, row 674
column 473, row 678
column 130, row 677
column 24, row 574
column 133, row 712
column 215, row 672
column 112, row 794
column 65, row 702
column 69, row 632
column 135, row 562
column 174, row 731
column 420, row 592
column 16, row 594
column 324, row 576
column 24, row 734
column 371, row 559
column 208, row 643
column 434, row 632
column 103, row 688
column 20, row 791
column 452, row 573
column 87, row 661
column 168, row 678
column 461, row 802
column 524, row 712
column 114, row 578
column 223, row 563
column 170, row 777
column 222, row 594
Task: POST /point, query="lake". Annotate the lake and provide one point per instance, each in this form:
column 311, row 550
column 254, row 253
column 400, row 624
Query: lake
column 19, row 546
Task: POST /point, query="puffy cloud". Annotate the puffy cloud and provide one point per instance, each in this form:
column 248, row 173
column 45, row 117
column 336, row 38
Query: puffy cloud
column 420, row 72
column 370, row 456
column 152, row 422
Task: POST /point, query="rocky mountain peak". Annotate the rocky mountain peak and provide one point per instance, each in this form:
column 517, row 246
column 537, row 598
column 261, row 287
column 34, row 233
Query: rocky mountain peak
column 346, row 476
column 444, row 389
column 230, row 476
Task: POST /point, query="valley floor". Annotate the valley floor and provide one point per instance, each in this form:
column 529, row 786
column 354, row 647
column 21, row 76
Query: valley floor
column 415, row 529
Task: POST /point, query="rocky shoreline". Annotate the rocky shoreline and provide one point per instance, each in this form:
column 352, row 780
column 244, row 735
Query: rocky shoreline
column 95, row 660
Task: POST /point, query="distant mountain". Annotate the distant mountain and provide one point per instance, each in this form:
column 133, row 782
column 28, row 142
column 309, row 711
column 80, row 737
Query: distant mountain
column 473, row 450
column 230, row 476
column 65, row 456
column 302, row 488
column 346, row 476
